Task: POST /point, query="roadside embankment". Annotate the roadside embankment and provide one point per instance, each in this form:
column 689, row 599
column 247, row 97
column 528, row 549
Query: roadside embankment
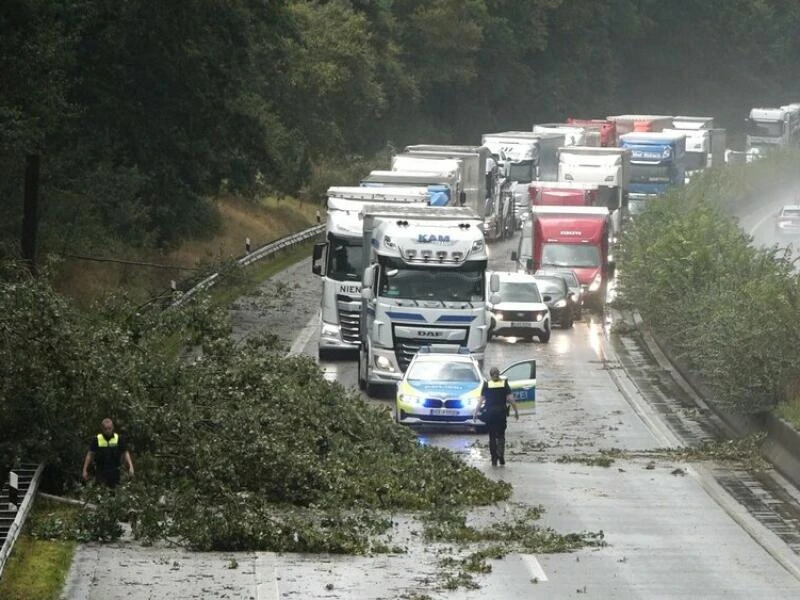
column 722, row 310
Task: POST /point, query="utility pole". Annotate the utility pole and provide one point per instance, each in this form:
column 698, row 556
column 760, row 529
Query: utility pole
column 30, row 217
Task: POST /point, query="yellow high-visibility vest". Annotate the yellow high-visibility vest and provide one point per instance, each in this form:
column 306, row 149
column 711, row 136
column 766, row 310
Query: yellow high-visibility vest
column 102, row 442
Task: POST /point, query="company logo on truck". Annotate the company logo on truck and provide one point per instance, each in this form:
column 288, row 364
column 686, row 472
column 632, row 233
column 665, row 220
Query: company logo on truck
column 430, row 334
column 349, row 289
column 432, row 238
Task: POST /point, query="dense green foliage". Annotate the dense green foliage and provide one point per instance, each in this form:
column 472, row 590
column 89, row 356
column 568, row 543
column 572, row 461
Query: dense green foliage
column 727, row 308
column 240, row 448
column 140, row 110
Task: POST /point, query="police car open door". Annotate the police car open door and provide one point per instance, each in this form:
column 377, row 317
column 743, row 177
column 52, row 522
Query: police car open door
column 521, row 378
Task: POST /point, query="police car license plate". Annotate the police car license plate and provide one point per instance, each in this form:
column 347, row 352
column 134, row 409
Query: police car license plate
column 521, row 324
column 447, row 412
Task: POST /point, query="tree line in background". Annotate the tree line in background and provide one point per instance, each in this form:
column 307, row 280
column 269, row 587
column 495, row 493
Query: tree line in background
column 143, row 110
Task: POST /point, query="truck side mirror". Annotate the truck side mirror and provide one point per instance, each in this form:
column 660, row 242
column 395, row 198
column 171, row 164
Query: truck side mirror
column 494, row 282
column 529, row 265
column 547, row 298
column 317, row 257
column 367, row 294
column 494, row 298
column 369, row 279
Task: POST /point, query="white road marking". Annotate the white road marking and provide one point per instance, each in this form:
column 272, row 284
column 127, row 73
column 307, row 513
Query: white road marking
column 266, row 566
column 305, row 336
column 534, row 567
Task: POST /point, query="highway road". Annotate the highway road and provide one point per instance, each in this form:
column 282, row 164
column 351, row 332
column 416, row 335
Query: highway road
column 674, row 530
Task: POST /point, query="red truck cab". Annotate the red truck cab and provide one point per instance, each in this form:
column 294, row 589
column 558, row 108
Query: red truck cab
column 574, row 237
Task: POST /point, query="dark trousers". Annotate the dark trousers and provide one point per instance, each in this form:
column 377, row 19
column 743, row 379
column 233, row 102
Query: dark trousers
column 497, row 439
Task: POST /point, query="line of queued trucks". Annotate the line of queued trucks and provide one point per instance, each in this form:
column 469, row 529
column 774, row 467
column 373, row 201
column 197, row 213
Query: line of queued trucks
column 405, row 255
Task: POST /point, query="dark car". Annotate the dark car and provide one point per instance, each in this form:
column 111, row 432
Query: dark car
column 558, row 298
column 573, row 283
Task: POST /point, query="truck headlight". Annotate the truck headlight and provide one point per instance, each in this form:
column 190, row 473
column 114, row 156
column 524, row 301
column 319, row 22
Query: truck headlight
column 499, row 315
column 595, row 285
column 561, row 303
column 329, row 330
column 383, row 363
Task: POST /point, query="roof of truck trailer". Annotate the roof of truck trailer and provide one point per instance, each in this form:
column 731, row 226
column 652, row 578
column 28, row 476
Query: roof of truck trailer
column 651, row 136
column 405, row 211
column 444, row 148
column 525, row 135
column 638, row 117
column 571, row 210
column 695, row 122
column 609, row 150
column 408, row 174
column 376, row 194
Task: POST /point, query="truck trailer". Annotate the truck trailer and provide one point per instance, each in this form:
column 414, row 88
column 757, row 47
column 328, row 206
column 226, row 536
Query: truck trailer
column 658, row 162
column 607, row 130
column 640, row 123
column 705, row 144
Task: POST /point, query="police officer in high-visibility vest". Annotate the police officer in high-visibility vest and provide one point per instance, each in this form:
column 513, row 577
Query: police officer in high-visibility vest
column 107, row 451
column 496, row 398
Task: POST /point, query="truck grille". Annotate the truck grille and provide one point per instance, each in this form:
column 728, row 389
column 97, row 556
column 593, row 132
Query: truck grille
column 406, row 348
column 349, row 321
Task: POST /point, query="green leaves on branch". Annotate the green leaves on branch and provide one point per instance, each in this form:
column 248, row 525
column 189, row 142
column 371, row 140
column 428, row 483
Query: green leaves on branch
column 726, row 307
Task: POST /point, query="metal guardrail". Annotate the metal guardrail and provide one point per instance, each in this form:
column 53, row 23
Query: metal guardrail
column 264, row 252
column 16, row 501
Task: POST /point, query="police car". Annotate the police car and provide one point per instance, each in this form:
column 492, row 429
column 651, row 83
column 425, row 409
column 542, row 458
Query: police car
column 442, row 386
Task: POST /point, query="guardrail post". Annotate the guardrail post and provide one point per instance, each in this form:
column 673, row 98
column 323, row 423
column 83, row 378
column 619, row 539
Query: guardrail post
column 13, row 491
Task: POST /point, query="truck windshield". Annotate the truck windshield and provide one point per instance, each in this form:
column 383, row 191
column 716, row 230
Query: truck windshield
column 344, row 263
column 519, row 291
column 765, row 128
column 521, row 172
column 570, row 255
column 650, row 173
column 420, row 282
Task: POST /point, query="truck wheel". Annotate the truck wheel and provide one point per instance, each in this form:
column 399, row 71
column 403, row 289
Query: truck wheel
column 568, row 323
column 545, row 337
column 362, row 379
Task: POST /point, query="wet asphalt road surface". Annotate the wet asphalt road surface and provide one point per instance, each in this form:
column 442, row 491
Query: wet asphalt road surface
column 674, row 530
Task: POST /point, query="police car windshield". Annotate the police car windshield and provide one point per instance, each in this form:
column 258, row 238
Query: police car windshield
column 463, row 284
column 430, row 371
column 570, row 255
column 519, row 291
column 344, row 263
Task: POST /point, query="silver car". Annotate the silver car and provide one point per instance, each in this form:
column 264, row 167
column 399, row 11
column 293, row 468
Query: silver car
column 788, row 220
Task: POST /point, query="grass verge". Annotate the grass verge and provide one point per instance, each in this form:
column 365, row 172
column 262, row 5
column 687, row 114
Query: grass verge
column 38, row 568
column 790, row 411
